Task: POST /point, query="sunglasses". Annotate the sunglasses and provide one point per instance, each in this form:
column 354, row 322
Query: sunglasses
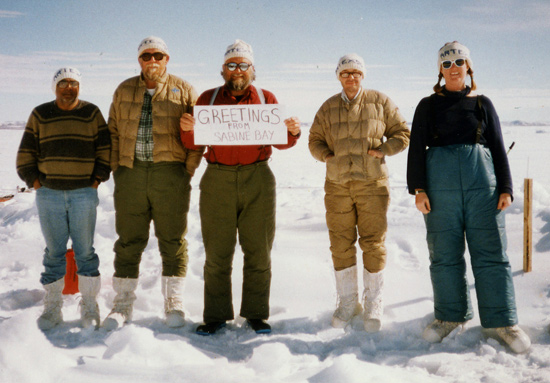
column 233, row 66
column 147, row 56
column 65, row 84
column 449, row 63
column 353, row 74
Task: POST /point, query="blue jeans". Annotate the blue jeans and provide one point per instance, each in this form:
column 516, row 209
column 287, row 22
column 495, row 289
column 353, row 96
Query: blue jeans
column 65, row 214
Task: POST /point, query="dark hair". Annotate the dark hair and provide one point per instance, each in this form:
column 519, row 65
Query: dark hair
column 438, row 88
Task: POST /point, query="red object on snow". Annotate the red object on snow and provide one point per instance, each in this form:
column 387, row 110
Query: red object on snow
column 5, row 198
column 71, row 278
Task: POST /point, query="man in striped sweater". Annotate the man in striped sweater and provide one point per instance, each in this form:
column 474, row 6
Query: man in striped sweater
column 64, row 156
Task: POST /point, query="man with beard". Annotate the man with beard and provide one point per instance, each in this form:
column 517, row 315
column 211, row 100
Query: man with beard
column 152, row 171
column 237, row 196
column 64, row 156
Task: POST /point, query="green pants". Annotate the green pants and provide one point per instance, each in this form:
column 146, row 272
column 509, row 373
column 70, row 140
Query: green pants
column 357, row 208
column 157, row 192
column 237, row 200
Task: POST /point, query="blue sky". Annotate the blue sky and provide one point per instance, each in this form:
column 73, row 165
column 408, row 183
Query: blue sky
column 296, row 45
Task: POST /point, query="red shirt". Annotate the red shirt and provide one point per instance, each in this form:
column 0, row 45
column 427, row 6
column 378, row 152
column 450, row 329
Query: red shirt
column 235, row 154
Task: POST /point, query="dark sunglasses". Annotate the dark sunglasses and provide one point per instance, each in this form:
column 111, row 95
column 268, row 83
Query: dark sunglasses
column 147, row 56
column 233, row 66
column 65, row 84
column 352, row 74
column 449, row 63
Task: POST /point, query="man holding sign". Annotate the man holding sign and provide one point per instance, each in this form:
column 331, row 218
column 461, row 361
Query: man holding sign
column 238, row 187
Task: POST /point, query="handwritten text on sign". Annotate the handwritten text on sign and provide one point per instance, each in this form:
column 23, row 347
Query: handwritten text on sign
column 240, row 125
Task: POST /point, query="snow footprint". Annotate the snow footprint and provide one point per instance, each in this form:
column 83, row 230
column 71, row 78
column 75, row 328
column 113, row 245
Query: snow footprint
column 406, row 257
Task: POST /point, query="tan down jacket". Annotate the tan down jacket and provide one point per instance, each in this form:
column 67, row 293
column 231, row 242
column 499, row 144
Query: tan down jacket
column 349, row 129
column 173, row 97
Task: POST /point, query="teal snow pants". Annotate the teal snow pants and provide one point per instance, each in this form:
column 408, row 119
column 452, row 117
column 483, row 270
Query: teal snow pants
column 464, row 197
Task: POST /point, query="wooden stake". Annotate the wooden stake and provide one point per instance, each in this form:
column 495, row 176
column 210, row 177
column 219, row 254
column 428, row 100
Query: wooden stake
column 527, row 229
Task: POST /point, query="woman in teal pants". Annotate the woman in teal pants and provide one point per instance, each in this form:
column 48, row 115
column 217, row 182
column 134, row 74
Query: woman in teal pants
column 459, row 172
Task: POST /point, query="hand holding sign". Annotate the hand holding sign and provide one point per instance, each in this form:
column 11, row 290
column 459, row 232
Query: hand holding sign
column 187, row 122
column 240, row 125
column 293, row 125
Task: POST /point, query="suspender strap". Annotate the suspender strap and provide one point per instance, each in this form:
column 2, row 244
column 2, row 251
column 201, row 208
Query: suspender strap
column 431, row 118
column 481, row 117
column 261, row 95
column 214, row 95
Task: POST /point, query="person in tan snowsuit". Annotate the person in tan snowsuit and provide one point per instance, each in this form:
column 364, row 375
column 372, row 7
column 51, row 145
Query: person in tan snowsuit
column 352, row 132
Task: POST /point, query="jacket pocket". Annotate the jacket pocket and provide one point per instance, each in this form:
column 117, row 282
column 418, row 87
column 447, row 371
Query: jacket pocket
column 374, row 167
column 332, row 169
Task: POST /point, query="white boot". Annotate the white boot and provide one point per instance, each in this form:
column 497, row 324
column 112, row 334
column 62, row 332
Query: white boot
column 123, row 303
column 89, row 310
column 372, row 300
column 515, row 337
column 348, row 298
column 439, row 329
column 172, row 289
column 53, row 301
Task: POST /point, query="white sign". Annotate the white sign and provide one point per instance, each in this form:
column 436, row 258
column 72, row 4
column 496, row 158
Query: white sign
column 256, row 124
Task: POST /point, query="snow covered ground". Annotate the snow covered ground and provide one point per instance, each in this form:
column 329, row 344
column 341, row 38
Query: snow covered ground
column 303, row 347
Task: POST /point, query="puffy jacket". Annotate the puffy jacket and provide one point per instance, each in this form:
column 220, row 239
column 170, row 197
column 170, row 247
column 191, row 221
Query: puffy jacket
column 349, row 129
column 173, row 98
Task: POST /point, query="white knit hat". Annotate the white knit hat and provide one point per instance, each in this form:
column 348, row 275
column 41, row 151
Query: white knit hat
column 239, row 49
column 153, row 42
column 350, row 61
column 453, row 51
column 66, row 72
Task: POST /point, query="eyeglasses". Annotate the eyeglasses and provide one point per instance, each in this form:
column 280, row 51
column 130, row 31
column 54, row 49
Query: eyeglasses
column 449, row 63
column 233, row 66
column 157, row 55
column 352, row 74
column 65, row 84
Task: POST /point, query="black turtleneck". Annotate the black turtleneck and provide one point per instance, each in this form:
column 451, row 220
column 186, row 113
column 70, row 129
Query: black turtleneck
column 450, row 118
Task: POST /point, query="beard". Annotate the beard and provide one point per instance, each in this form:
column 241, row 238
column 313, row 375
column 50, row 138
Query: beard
column 67, row 98
column 152, row 72
column 239, row 83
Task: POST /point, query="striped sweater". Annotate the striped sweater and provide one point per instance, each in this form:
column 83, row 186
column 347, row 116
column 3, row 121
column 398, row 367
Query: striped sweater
column 65, row 150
